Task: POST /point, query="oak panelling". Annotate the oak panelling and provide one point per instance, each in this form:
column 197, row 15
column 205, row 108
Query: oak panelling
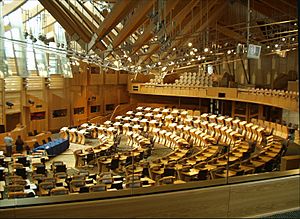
column 96, row 77
column 80, row 74
column 122, row 77
column 56, row 82
column 240, row 200
column 13, row 87
column 111, row 76
column 57, row 102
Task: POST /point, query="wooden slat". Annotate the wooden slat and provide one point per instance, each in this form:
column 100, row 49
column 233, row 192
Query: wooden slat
column 216, row 12
column 136, row 20
column 178, row 20
column 230, row 33
column 148, row 33
column 120, row 9
column 281, row 8
column 88, row 24
column 11, row 7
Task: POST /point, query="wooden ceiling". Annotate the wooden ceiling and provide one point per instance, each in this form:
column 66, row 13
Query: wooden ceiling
column 147, row 32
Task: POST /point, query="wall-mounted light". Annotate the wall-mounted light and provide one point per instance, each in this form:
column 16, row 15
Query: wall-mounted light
column 9, row 104
column 30, row 101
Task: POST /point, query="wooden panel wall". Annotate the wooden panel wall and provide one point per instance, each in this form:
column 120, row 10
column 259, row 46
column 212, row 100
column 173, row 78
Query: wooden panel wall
column 110, row 76
column 60, row 98
column 241, row 200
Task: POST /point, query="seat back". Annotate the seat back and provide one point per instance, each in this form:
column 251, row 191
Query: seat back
column 134, row 184
column 59, row 191
column 202, row 175
column 166, row 180
column 98, row 188
column 19, row 194
column 15, row 188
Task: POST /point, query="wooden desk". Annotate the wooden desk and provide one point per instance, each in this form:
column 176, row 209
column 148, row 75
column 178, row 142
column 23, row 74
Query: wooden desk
column 265, row 158
column 247, row 169
column 136, row 170
column 256, row 164
column 224, row 174
column 192, row 172
column 209, row 167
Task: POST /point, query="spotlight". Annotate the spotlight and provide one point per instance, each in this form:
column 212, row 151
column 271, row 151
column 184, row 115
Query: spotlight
column 42, row 37
column 26, row 34
column 9, row 104
column 190, row 44
column 206, row 50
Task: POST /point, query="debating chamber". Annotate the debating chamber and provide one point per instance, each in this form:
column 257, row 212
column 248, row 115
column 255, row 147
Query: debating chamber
column 149, row 108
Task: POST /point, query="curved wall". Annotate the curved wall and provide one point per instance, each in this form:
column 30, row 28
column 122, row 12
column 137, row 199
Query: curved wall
column 239, row 199
column 221, row 93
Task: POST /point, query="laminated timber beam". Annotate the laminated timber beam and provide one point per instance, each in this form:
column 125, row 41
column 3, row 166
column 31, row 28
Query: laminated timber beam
column 97, row 20
column 80, row 27
column 148, row 32
column 11, row 7
column 61, row 17
column 281, row 7
column 214, row 14
column 119, row 11
column 137, row 19
column 178, row 20
column 230, row 33
column 88, row 24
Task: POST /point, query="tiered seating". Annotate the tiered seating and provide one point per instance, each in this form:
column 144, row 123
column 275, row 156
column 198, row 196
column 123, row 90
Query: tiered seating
column 274, row 92
column 156, row 80
column 201, row 146
column 195, row 79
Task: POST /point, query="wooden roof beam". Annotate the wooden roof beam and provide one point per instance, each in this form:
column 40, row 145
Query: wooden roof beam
column 33, row 12
column 261, row 8
column 138, row 18
column 187, row 28
column 230, row 33
column 11, row 7
column 178, row 20
column 81, row 28
column 214, row 15
column 120, row 9
column 281, row 7
column 98, row 21
column 148, row 34
column 56, row 12
column 291, row 3
column 88, row 23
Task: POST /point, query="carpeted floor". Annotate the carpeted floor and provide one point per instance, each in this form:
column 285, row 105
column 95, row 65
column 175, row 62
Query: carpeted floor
column 158, row 151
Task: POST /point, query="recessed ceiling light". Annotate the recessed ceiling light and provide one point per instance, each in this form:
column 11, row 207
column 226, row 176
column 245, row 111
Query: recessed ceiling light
column 190, row 44
column 206, row 50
